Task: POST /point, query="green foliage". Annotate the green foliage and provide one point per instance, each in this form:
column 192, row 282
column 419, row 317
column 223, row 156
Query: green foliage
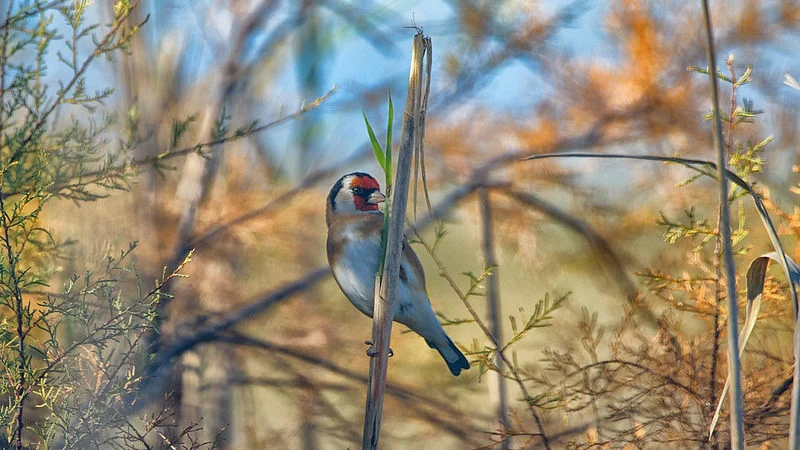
column 387, row 167
column 384, row 159
column 449, row 321
column 376, row 146
column 747, row 157
column 484, row 356
column 691, row 227
column 476, row 287
column 179, row 129
column 541, row 317
column 72, row 356
column 745, row 78
column 744, row 159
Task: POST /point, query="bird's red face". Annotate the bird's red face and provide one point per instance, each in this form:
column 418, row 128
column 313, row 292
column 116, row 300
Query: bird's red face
column 355, row 193
column 366, row 193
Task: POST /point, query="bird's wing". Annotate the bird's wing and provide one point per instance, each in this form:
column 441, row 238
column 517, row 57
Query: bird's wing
column 415, row 265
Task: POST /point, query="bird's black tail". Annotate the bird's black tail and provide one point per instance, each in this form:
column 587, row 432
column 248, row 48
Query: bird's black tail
column 459, row 363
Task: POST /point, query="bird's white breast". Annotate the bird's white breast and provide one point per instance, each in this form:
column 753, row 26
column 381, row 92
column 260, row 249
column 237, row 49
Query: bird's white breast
column 355, row 271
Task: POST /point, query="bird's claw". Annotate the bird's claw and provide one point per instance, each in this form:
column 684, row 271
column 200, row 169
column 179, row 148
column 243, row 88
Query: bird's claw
column 372, row 351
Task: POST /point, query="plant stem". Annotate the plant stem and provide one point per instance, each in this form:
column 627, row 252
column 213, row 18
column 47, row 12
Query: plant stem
column 734, row 366
column 19, row 393
column 384, row 301
column 718, row 252
column 515, row 375
column 493, row 300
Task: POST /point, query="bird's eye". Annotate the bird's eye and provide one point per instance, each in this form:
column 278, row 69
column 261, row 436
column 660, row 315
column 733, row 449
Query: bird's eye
column 358, row 191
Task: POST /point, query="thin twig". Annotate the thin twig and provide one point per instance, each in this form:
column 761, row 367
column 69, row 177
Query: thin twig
column 666, row 378
column 101, row 174
column 99, row 49
column 53, row 364
column 198, row 148
column 515, row 375
column 28, row 11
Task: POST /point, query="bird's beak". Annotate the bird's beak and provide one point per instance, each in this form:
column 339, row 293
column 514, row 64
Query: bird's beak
column 376, row 197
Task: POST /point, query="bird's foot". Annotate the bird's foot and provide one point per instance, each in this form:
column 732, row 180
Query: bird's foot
column 372, row 351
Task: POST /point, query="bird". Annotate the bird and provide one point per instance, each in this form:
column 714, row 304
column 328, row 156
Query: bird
column 355, row 226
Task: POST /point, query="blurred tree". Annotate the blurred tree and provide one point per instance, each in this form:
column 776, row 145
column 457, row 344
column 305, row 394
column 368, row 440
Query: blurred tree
column 194, row 94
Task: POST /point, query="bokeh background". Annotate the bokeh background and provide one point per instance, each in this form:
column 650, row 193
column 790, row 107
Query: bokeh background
column 507, row 76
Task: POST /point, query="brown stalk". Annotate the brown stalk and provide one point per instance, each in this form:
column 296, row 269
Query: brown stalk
column 384, row 302
column 494, row 319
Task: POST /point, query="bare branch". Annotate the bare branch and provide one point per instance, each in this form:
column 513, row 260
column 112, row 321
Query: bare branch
column 455, row 425
column 161, row 363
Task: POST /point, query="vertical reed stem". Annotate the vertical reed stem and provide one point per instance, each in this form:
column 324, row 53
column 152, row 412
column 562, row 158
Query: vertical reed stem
column 494, row 319
column 384, row 302
column 734, row 365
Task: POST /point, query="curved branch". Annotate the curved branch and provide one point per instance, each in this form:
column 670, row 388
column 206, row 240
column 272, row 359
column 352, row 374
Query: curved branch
column 693, row 163
column 411, row 398
column 97, row 176
column 598, row 243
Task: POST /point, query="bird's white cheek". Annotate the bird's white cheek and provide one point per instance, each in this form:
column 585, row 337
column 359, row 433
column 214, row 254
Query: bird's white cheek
column 344, row 201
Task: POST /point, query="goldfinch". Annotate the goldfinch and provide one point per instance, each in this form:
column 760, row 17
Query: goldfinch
column 354, row 248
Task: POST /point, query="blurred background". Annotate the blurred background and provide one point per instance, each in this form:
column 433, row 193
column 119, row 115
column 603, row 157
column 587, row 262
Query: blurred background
column 631, row 357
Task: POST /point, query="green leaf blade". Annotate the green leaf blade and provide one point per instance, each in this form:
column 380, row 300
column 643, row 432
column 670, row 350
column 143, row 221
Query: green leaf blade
column 388, row 169
column 376, row 146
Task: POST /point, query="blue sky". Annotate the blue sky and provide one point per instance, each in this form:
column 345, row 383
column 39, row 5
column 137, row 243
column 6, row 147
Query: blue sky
column 352, row 63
